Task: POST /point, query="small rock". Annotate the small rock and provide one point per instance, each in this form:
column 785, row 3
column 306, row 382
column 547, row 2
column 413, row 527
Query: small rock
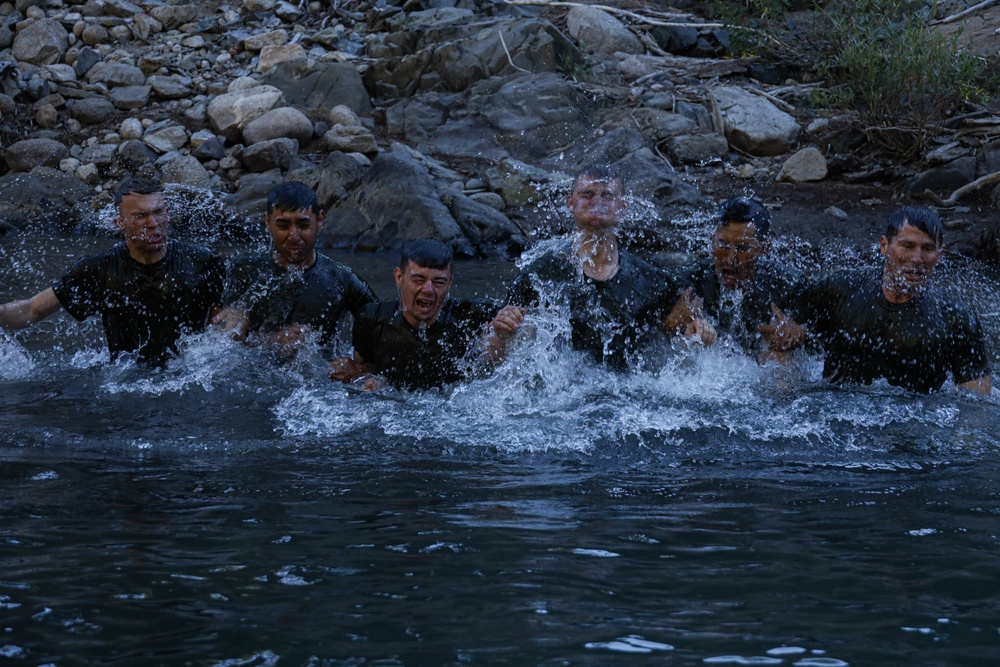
column 281, row 122
column 258, row 42
column 273, row 154
column 350, row 139
column 47, row 116
column 113, row 74
column 131, row 128
column 88, row 173
column 166, row 139
column 274, row 55
column 92, row 110
column 131, row 97
column 808, row 164
column 69, row 165
column 837, row 213
column 94, row 34
column 600, row 32
column 259, row 5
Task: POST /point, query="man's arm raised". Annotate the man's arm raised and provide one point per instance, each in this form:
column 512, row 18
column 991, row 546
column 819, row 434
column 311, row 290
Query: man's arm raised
column 496, row 343
column 24, row 313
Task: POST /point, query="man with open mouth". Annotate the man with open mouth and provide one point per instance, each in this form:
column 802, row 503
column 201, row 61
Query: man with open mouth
column 425, row 339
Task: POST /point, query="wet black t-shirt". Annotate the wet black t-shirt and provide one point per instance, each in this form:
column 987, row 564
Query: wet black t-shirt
column 914, row 345
column 274, row 297
column 145, row 307
column 610, row 319
column 414, row 358
column 740, row 313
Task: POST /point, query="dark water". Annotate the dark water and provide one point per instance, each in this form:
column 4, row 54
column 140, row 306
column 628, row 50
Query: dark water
column 230, row 511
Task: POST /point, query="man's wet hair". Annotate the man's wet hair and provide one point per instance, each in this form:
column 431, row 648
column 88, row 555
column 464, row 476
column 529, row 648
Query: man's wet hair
column 746, row 210
column 599, row 172
column 136, row 185
column 429, row 253
column 920, row 217
column 293, row 196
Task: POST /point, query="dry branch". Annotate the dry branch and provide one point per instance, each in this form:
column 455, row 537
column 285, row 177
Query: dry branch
column 988, row 179
column 616, row 10
column 965, row 12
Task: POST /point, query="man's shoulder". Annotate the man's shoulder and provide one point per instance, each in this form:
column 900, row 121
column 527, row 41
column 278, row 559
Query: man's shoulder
column 547, row 256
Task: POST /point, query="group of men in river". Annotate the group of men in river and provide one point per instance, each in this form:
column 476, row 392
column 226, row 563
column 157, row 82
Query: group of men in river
column 884, row 322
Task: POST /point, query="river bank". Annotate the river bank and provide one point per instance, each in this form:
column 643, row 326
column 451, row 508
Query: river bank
column 460, row 120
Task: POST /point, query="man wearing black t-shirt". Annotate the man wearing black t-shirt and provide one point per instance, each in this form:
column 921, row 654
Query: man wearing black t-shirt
column 615, row 299
column 148, row 290
column 891, row 323
column 281, row 297
column 424, row 339
column 744, row 292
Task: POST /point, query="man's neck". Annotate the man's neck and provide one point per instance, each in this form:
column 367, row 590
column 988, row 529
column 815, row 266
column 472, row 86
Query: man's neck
column 895, row 294
column 598, row 254
column 288, row 266
column 150, row 257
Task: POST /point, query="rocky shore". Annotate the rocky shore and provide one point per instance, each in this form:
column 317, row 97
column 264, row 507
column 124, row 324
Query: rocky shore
column 459, row 119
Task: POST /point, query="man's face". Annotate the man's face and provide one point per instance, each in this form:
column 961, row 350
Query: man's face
column 294, row 235
column 596, row 205
column 735, row 251
column 143, row 220
column 422, row 292
column 909, row 260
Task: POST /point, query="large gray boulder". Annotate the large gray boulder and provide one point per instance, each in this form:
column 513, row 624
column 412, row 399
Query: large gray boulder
column 526, row 116
column 186, row 170
column 46, row 196
column 395, row 202
column 27, row 154
column 309, row 85
column 753, row 124
column 600, row 32
column 281, row 122
column 230, row 112
column 113, row 74
column 808, row 164
column 452, row 49
column 44, row 42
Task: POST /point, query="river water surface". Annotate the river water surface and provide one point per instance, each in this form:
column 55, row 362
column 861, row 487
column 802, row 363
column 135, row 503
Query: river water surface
column 231, row 511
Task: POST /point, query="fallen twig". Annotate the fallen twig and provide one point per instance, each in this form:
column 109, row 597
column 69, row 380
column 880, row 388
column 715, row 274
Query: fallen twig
column 988, row 179
column 965, row 12
column 781, row 104
column 616, row 10
column 503, row 42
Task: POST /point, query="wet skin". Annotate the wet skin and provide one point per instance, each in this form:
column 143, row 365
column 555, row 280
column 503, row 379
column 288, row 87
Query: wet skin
column 735, row 252
column 422, row 292
column 294, row 235
column 143, row 220
column 596, row 205
column 910, row 258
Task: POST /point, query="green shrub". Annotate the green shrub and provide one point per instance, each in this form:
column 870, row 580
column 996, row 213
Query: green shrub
column 901, row 77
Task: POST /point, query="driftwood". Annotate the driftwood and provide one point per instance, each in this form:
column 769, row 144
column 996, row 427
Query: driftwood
column 965, row 12
column 615, row 10
column 988, row 179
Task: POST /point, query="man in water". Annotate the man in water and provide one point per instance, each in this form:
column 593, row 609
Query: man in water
column 282, row 297
column 615, row 298
column 891, row 323
column 148, row 290
column 745, row 293
column 424, row 339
